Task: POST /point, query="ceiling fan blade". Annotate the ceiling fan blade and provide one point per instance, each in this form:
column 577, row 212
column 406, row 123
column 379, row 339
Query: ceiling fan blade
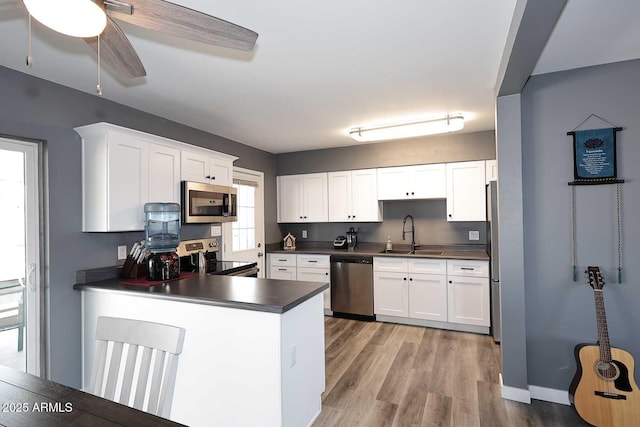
column 160, row 15
column 7, row 5
column 117, row 52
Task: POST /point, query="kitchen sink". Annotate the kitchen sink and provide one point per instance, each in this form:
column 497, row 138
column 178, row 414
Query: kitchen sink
column 429, row 252
column 417, row 252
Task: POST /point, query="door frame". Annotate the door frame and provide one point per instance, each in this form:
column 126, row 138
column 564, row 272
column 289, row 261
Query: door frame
column 37, row 310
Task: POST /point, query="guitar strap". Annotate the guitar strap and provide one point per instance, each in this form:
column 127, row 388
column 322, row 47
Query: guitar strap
column 574, row 244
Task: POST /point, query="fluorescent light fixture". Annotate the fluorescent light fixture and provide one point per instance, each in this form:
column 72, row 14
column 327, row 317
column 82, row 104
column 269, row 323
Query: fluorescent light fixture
column 448, row 123
column 76, row 18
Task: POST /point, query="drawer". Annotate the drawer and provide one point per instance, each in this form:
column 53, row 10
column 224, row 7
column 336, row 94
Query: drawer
column 390, row 264
column 313, row 261
column 428, row 266
column 465, row 267
column 282, row 273
column 288, row 260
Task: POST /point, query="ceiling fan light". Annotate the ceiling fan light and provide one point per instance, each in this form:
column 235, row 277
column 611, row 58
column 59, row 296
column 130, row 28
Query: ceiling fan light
column 76, row 18
column 448, row 123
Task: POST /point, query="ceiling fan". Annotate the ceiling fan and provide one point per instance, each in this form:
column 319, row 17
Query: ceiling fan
column 113, row 46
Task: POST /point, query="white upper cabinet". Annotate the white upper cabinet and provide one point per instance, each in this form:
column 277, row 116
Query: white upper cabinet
column 207, row 168
column 353, row 196
column 412, row 182
column 466, row 194
column 122, row 169
column 303, row 198
column 491, row 170
column 164, row 174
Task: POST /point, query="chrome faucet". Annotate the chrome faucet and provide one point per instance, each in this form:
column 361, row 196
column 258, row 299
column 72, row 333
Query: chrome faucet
column 413, row 234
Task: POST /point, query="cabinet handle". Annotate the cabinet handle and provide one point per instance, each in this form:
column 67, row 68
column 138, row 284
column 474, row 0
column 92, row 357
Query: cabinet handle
column 354, row 217
column 301, row 217
column 282, row 269
column 305, row 217
column 213, row 177
column 208, row 176
column 450, row 281
column 283, row 260
column 404, row 278
column 467, row 268
column 312, row 260
column 449, row 215
column 411, row 279
column 326, row 274
column 348, row 216
column 412, row 193
column 407, row 193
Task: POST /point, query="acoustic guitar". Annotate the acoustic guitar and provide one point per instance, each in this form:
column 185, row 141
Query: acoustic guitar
column 603, row 390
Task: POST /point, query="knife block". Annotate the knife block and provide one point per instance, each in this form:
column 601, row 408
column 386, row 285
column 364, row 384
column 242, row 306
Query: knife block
column 132, row 270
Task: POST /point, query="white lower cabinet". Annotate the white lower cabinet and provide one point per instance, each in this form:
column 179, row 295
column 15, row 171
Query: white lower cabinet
column 468, row 292
column 311, row 268
column 454, row 293
column 410, row 287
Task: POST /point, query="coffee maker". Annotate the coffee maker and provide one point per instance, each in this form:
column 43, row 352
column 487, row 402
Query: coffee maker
column 352, row 239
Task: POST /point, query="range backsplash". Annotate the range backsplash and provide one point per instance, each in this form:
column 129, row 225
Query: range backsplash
column 431, row 225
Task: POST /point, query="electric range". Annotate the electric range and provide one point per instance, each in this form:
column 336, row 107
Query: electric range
column 201, row 256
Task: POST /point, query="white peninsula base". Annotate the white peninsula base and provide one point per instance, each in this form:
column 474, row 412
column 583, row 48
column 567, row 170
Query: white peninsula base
column 238, row 367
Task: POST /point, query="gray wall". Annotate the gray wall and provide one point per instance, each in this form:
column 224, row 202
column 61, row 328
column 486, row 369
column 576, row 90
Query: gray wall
column 430, row 216
column 559, row 312
column 37, row 109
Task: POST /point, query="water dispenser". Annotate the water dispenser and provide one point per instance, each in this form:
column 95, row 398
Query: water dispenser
column 162, row 239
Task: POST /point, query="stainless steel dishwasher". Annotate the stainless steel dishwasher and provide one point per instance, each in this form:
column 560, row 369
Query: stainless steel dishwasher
column 352, row 286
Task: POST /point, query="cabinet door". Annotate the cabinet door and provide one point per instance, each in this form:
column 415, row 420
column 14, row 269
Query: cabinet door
column 128, row 178
column 340, row 196
column 468, row 300
column 364, row 196
column 391, row 294
column 315, row 198
column 466, row 195
column 289, row 198
column 428, row 297
column 429, row 181
column 282, row 273
column 194, row 167
column 311, row 274
column 394, row 183
column 221, row 171
column 164, row 174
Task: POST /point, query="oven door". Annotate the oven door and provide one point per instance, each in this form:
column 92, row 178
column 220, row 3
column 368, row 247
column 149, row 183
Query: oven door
column 249, row 272
column 206, row 203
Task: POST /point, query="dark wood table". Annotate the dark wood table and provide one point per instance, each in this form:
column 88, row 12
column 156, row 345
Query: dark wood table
column 27, row 400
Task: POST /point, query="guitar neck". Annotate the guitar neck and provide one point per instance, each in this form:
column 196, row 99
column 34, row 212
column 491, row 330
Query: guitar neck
column 603, row 332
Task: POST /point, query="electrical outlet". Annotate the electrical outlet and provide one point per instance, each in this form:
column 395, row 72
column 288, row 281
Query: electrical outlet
column 216, row 230
column 474, row 235
column 304, row 234
column 122, row 252
column 293, row 356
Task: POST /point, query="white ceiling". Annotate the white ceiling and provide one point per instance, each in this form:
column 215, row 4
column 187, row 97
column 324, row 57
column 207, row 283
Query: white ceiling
column 320, row 68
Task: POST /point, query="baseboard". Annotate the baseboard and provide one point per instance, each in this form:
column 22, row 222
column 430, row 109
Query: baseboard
column 549, row 395
column 513, row 393
column 534, row 392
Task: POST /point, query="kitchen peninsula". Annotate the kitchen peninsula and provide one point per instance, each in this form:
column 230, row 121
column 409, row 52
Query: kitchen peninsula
column 253, row 351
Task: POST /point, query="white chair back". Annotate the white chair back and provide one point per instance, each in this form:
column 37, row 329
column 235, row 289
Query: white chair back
column 120, row 340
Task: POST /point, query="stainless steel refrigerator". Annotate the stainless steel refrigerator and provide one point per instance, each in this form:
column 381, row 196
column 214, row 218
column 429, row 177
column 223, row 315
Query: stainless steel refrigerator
column 494, row 268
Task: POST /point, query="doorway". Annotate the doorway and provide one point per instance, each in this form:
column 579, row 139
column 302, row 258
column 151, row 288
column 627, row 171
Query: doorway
column 20, row 288
column 243, row 240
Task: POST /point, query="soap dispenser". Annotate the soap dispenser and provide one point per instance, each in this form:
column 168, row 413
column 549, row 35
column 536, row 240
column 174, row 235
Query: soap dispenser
column 389, row 246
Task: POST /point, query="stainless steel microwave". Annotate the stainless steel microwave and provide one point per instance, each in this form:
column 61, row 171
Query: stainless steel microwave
column 205, row 203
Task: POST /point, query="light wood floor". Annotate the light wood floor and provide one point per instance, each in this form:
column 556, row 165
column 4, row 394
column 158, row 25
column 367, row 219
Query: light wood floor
column 380, row 374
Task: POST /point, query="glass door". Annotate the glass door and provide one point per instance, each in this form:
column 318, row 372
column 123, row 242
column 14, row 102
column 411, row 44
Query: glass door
column 20, row 291
column 243, row 240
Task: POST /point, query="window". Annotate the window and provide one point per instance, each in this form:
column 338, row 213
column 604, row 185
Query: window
column 244, row 229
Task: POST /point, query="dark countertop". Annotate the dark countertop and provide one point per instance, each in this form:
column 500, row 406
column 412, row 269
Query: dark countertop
column 246, row 293
column 472, row 252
